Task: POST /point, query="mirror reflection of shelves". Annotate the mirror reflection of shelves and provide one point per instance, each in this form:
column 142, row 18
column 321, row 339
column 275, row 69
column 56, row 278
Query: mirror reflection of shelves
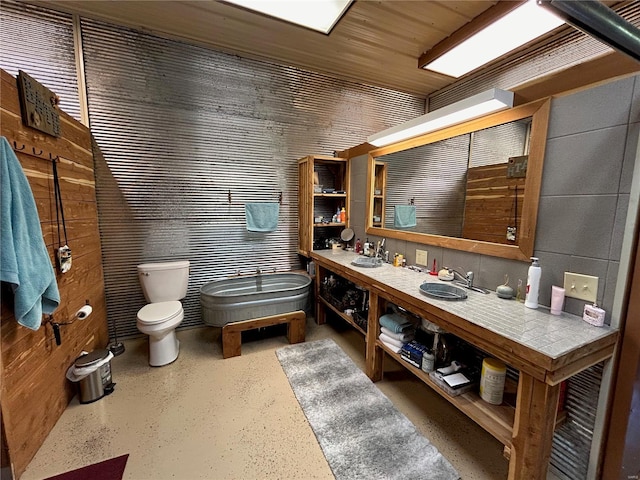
column 379, row 193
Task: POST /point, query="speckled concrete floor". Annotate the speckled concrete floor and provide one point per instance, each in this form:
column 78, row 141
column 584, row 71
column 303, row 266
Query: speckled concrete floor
column 203, row 417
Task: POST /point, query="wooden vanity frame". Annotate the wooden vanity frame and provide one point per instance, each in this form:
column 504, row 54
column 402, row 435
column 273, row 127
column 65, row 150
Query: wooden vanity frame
column 526, row 431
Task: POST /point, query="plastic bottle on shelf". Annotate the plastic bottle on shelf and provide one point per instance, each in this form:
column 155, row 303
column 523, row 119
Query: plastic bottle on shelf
column 428, row 361
column 336, row 217
column 343, row 215
column 358, row 246
column 533, row 284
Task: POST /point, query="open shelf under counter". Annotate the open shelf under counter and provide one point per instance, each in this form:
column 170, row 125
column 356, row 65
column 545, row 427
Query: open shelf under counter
column 342, row 315
column 495, row 419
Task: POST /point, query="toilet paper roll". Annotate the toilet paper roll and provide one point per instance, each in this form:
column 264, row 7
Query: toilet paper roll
column 84, row 312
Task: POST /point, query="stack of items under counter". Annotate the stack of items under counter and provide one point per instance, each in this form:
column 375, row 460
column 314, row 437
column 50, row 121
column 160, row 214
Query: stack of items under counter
column 396, row 331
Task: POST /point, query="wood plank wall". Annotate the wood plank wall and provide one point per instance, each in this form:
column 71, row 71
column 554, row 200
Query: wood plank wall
column 34, row 389
column 490, row 203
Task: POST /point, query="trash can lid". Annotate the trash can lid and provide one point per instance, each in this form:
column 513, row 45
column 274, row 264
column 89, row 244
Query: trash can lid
column 91, row 358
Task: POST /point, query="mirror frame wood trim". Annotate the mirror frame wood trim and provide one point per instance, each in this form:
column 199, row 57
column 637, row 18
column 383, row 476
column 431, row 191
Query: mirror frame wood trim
column 539, row 111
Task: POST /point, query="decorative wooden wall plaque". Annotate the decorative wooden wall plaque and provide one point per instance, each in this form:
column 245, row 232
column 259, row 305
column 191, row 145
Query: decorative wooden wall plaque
column 38, row 105
column 517, row 167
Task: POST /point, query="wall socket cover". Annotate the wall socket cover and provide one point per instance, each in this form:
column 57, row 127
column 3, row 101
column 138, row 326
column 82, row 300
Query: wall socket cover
column 421, row 257
column 582, row 287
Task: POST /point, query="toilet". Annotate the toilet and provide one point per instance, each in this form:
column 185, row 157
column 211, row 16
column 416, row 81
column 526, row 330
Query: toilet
column 163, row 285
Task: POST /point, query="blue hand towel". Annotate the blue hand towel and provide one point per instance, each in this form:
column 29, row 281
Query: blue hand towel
column 262, row 217
column 405, row 216
column 24, row 260
column 396, row 323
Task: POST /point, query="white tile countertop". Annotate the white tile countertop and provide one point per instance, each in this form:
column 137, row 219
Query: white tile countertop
column 551, row 335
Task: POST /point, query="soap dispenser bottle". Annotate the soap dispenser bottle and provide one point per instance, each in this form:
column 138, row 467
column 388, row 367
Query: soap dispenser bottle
column 343, row 215
column 533, row 284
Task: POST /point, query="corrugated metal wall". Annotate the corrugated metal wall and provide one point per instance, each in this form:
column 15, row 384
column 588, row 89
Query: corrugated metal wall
column 435, row 177
column 179, row 128
column 493, row 146
column 572, row 441
column 40, row 42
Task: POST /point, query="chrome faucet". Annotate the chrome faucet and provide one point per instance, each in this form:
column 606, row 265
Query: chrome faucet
column 380, row 249
column 466, row 280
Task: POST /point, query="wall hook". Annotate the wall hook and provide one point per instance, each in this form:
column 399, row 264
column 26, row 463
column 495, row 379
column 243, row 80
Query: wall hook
column 412, row 201
column 229, row 196
column 15, row 146
column 280, row 198
column 36, row 153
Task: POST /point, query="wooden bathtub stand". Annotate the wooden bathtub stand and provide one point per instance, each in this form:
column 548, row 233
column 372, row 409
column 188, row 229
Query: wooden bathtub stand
column 232, row 332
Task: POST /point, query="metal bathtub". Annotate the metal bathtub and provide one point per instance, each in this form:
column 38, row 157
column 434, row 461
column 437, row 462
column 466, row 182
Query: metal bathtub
column 247, row 297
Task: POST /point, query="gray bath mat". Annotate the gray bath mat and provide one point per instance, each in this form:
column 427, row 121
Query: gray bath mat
column 360, row 431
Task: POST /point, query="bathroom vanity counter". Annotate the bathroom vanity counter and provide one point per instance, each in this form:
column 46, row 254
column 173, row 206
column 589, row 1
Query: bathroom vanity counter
column 545, row 348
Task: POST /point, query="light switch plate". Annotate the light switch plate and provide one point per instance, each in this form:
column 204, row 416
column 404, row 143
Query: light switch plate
column 582, row 287
column 421, row 257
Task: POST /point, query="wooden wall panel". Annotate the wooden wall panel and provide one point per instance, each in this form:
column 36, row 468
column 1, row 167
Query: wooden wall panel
column 34, row 389
column 490, row 203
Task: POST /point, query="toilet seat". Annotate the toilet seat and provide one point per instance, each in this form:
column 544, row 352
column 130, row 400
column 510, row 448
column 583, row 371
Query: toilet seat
column 159, row 312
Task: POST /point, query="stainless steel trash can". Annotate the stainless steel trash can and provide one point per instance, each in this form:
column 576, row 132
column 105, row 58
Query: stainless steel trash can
column 98, row 383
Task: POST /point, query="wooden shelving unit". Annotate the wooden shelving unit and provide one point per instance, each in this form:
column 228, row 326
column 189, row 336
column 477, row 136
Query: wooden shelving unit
column 495, row 419
column 317, row 172
column 346, row 318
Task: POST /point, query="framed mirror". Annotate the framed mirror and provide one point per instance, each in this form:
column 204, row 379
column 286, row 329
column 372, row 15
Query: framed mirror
column 472, row 187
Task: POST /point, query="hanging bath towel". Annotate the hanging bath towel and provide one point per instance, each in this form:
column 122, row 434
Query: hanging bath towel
column 262, row 217
column 24, row 260
column 405, row 216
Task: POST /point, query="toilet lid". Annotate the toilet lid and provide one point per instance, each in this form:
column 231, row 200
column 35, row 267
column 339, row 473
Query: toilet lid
column 159, row 312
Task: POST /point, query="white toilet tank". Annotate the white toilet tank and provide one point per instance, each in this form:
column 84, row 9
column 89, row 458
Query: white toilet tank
column 163, row 282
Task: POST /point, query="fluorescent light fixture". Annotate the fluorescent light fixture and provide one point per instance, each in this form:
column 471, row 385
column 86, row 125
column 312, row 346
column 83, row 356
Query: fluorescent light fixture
column 473, row 107
column 516, row 28
column 320, row 15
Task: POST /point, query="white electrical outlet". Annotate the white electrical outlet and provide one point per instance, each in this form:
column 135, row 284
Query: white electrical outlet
column 582, row 287
column 421, row 257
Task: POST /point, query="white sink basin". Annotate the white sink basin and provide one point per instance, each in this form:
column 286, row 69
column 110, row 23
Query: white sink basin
column 443, row 291
column 367, row 262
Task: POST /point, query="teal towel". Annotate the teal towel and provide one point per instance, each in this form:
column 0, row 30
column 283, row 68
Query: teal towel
column 396, row 323
column 262, row 217
column 24, row 260
column 405, row 216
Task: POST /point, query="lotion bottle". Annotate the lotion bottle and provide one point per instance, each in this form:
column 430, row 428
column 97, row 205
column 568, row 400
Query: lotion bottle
column 533, row 284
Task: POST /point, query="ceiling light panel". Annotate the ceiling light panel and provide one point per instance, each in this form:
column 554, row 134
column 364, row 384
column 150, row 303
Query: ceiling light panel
column 320, row 15
column 473, row 107
column 518, row 27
